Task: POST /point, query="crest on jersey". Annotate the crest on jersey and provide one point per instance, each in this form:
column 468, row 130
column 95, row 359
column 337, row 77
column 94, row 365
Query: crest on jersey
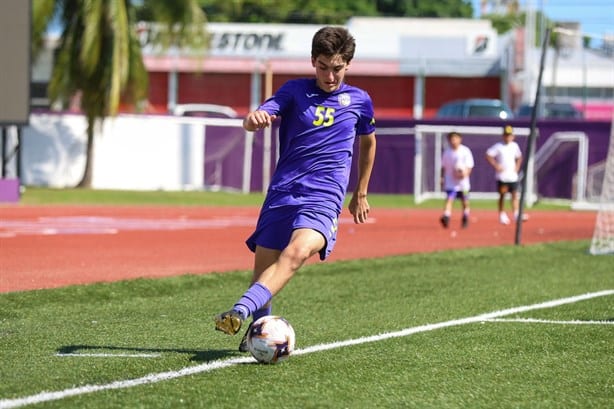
column 344, row 99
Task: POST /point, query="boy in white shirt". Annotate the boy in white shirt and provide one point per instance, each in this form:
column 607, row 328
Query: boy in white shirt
column 506, row 158
column 456, row 166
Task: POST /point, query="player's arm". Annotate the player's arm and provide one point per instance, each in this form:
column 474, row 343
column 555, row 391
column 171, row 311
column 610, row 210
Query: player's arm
column 469, row 163
column 492, row 161
column 442, row 175
column 518, row 164
column 258, row 119
column 444, row 169
column 359, row 205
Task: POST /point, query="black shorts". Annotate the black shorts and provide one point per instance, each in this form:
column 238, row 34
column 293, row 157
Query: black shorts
column 507, row 186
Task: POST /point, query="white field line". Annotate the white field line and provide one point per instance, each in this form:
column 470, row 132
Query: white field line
column 220, row 364
column 540, row 321
column 101, row 355
column 462, row 321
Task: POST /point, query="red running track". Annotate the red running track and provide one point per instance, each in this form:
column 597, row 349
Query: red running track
column 54, row 246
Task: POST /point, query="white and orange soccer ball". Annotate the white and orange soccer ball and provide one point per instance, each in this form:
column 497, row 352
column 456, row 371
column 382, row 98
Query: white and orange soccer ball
column 271, row 339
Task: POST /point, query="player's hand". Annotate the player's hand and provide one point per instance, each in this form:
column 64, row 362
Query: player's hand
column 359, row 208
column 258, row 120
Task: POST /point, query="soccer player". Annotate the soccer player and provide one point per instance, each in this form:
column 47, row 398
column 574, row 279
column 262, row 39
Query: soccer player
column 506, row 158
column 456, row 166
column 320, row 120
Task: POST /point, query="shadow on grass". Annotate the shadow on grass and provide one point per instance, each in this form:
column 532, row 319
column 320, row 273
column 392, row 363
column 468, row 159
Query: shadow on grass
column 197, row 355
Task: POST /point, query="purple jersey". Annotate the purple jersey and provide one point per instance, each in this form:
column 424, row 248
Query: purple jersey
column 316, row 142
column 316, row 138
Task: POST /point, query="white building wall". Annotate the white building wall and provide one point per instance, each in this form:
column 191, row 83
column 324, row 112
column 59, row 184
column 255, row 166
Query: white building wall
column 131, row 152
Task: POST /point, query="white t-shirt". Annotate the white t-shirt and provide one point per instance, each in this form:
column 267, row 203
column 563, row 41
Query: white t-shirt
column 451, row 160
column 506, row 155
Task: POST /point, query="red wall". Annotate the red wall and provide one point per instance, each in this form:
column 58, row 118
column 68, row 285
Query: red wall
column 393, row 97
column 214, row 88
column 158, row 91
column 440, row 90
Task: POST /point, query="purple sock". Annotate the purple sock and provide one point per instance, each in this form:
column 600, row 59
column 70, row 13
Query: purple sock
column 252, row 300
column 266, row 310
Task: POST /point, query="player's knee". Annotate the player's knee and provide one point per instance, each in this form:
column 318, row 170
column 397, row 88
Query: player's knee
column 296, row 254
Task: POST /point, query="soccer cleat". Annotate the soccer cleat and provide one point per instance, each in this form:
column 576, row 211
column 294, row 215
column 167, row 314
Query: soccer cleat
column 243, row 344
column 503, row 219
column 445, row 220
column 228, row 322
column 465, row 221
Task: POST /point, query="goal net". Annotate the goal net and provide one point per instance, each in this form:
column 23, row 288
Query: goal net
column 431, row 141
column 603, row 235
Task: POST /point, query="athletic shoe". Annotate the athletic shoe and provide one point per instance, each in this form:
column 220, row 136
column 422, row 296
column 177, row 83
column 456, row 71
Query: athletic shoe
column 525, row 217
column 445, row 220
column 243, row 344
column 229, row 322
column 465, row 221
column 503, row 219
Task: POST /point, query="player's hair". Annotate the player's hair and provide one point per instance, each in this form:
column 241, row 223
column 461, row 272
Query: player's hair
column 454, row 133
column 331, row 41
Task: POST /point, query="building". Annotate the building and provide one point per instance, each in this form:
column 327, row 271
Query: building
column 410, row 66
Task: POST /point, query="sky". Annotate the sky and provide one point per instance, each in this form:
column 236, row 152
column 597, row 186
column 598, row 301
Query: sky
column 596, row 17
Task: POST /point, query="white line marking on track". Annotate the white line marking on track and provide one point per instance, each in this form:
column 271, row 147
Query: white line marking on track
column 220, row 364
column 49, row 226
column 112, row 225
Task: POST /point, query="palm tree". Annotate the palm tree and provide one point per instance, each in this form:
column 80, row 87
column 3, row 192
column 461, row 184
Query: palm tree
column 99, row 57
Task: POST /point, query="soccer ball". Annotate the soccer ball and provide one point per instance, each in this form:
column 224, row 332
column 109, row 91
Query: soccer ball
column 459, row 172
column 271, row 339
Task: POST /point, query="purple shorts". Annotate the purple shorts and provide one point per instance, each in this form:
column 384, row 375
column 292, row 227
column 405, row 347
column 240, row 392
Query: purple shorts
column 276, row 224
column 455, row 194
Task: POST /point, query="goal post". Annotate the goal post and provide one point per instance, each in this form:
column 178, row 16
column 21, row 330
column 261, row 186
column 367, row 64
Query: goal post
column 430, row 143
column 603, row 235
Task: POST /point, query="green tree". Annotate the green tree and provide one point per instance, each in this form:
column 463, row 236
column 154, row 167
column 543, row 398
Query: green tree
column 503, row 23
column 425, row 8
column 99, row 57
column 329, row 11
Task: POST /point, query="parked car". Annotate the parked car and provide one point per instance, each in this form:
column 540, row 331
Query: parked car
column 475, row 108
column 551, row 110
column 205, row 110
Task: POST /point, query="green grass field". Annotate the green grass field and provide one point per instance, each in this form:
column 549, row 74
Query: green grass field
column 46, row 196
column 150, row 343
column 410, row 331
